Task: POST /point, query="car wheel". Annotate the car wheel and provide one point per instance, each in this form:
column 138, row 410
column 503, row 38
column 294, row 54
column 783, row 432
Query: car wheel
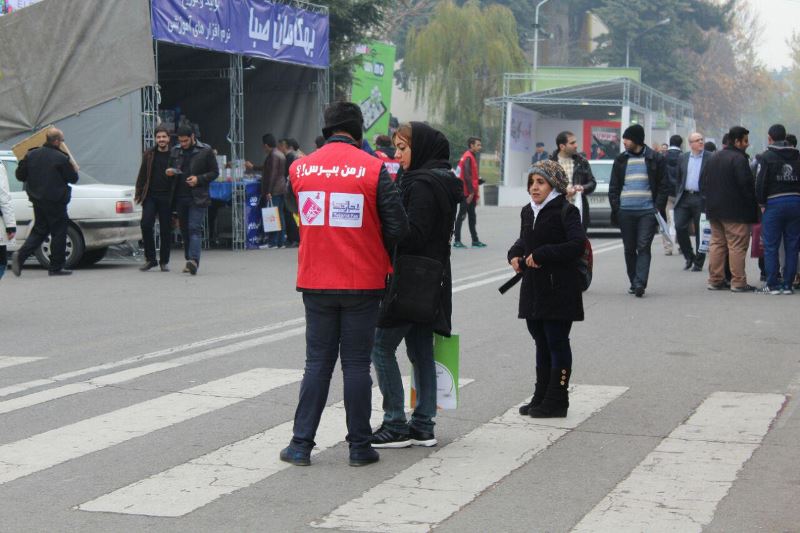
column 90, row 257
column 74, row 252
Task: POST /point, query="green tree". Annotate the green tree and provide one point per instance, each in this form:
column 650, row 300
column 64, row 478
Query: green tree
column 351, row 22
column 661, row 51
column 458, row 59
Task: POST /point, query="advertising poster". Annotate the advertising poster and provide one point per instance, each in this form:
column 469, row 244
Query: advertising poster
column 521, row 129
column 9, row 6
column 372, row 86
column 601, row 139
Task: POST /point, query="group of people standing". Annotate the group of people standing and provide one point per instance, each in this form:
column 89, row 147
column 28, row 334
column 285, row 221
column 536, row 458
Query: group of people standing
column 175, row 179
column 362, row 223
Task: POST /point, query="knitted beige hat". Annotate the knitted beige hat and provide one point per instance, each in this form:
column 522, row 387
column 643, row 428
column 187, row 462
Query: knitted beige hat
column 553, row 173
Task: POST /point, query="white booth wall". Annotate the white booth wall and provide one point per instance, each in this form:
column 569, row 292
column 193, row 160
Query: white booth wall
column 518, row 154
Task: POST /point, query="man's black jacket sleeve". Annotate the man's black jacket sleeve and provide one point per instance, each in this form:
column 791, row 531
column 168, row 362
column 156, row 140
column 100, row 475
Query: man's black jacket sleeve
column 394, row 221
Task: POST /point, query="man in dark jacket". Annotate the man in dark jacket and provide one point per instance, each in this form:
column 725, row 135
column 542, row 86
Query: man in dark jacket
column 577, row 169
column 47, row 173
column 195, row 166
column 778, row 193
column 688, row 202
column 729, row 191
column 273, row 185
column 154, row 190
column 639, row 188
column 672, row 156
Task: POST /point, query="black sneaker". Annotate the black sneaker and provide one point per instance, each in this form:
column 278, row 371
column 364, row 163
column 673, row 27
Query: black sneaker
column 388, row 438
column 717, row 286
column 295, row 457
column 60, row 272
column 421, row 438
column 631, row 289
column 364, row 457
column 743, row 288
column 191, row 267
column 639, row 292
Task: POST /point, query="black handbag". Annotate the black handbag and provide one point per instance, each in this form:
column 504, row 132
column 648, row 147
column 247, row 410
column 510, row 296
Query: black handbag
column 414, row 290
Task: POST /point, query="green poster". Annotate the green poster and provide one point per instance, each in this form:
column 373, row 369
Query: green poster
column 372, row 86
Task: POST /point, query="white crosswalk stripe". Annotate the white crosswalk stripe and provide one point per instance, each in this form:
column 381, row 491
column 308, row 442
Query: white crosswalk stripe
column 677, row 487
column 21, row 387
column 425, row 494
column 8, row 361
column 42, row 451
column 181, row 490
column 122, row 376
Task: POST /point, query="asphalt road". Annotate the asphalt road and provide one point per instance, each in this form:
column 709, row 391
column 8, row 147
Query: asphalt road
column 118, row 387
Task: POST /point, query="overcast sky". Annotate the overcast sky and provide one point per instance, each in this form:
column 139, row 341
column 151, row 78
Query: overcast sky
column 778, row 18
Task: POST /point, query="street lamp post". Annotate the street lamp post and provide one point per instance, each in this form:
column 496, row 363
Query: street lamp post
column 536, row 41
column 631, row 39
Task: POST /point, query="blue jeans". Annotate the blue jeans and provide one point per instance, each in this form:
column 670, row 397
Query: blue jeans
column 552, row 342
column 781, row 222
column 419, row 346
column 191, row 222
column 638, row 229
column 337, row 325
column 278, row 238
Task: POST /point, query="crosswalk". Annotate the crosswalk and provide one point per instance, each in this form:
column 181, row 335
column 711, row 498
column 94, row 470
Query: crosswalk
column 676, row 487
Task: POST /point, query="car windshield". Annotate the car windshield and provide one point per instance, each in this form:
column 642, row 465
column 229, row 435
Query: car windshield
column 15, row 185
column 601, row 171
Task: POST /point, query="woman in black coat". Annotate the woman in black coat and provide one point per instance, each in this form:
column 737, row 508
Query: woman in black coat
column 550, row 243
column 430, row 194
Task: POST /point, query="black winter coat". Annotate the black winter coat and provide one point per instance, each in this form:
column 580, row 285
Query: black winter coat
column 202, row 164
column 581, row 175
column 47, row 173
column 728, row 187
column 552, row 291
column 673, row 159
column 430, row 198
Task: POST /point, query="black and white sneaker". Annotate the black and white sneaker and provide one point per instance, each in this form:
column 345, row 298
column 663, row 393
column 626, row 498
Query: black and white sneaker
column 387, row 438
column 421, row 438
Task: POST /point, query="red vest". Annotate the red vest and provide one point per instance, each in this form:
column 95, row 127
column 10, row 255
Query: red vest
column 392, row 165
column 469, row 159
column 341, row 244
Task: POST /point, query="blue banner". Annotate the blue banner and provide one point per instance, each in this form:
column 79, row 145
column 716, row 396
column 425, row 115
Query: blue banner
column 255, row 28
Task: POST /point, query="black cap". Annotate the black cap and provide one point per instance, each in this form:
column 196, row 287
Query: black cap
column 635, row 133
column 344, row 116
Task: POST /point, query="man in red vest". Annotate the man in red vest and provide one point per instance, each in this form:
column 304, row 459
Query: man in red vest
column 350, row 215
column 467, row 170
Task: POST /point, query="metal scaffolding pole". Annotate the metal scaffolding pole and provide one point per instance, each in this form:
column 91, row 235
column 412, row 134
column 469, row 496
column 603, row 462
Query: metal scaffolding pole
column 323, row 93
column 236, row 140
column 150, row 102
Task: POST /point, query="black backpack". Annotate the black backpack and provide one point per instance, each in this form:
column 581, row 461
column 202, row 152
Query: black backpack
column 586, row 260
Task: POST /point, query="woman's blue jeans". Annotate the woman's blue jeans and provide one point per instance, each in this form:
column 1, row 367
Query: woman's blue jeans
column 419, row 347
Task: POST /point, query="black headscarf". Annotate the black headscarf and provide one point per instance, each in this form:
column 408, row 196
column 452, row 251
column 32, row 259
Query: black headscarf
column 430, row 149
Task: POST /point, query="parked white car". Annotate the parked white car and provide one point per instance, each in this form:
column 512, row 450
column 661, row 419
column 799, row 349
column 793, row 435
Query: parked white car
column 100, row 215
column 598, row 200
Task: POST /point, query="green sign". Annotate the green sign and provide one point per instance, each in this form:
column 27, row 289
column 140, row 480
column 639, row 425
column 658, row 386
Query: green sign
column 372, row 86
column 558, row 77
